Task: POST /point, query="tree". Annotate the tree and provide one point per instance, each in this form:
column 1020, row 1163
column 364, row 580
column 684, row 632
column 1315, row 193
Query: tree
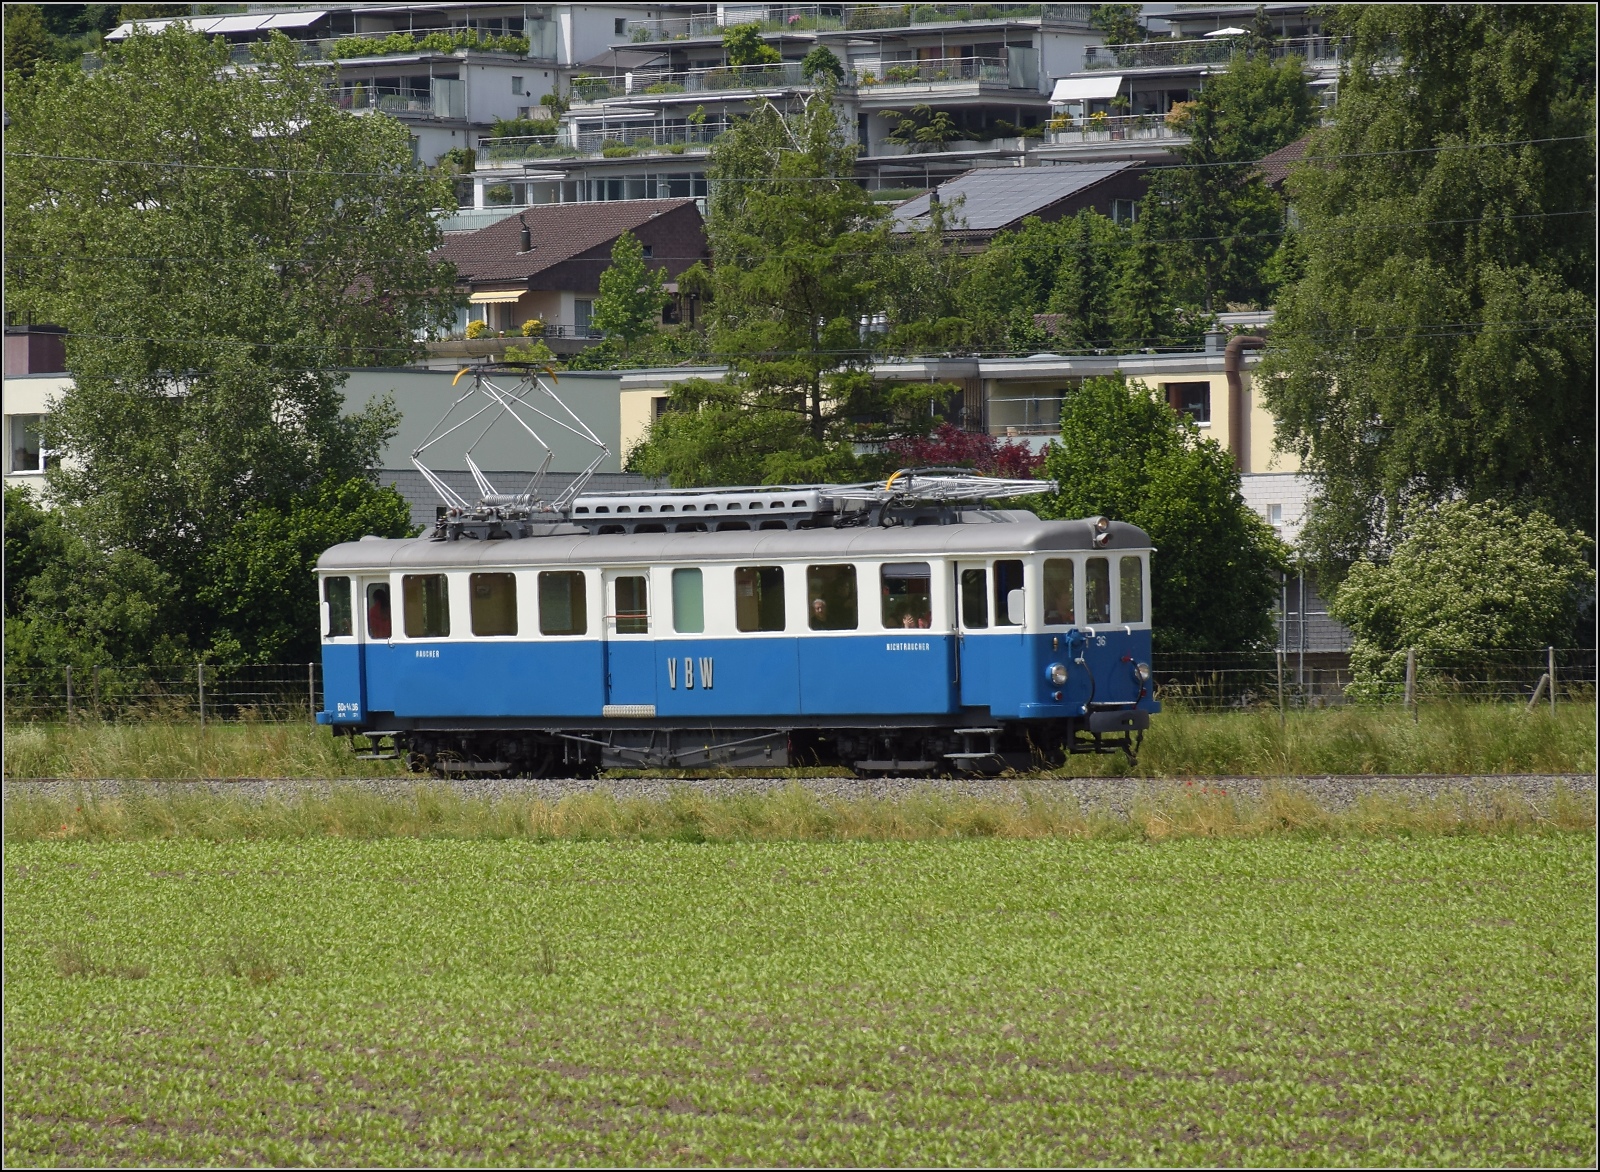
column 1218, row 220
column 1125, row 454
column 632, row 294
column 1464, row 577
column 949, row 446
column 821, row 62
column 258, row 581
column 1440, row 343
column 922, row 127
column 212, row 284
column 1119, row 23
column 71, row 601
column 799, row 251
column 743, row 45
column 27, row 42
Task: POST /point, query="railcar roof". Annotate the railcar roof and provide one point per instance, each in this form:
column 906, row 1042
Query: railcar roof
column 1024, row 534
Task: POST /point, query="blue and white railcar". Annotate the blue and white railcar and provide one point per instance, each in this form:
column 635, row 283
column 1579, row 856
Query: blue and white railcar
column 939, row 638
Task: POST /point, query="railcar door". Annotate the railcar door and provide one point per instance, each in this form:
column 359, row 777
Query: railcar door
column 972, row 625
column 630, row 644
column 375, row 630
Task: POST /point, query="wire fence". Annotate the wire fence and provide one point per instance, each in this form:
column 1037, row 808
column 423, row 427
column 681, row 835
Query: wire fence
column 1204, row 683
column 1291, row 679
column 191, row 691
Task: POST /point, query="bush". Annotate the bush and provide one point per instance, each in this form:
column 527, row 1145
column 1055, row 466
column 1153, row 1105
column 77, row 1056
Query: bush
column 477, row 329
column 1466, row 577
column 538, row 353
column 533, row 328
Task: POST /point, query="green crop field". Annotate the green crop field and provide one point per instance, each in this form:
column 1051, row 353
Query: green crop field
column 1424, row 999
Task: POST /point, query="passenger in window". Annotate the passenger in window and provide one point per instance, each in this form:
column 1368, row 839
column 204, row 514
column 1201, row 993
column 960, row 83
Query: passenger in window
column 819, row 612
column 379, row 623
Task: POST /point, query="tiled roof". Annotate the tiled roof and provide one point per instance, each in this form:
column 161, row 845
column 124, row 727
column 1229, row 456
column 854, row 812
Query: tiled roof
column 558, row 231
column 1275, row 167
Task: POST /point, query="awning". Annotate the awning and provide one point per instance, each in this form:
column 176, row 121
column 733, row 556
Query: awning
column 238, row 24
column 1082, row 89
column 1226, row 32
column 497, row 297
column 128, row 27
column 294, row 19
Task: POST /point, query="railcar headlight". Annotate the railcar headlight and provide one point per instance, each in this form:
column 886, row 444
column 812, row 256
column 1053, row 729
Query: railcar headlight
column 1056, row 673
column 1141, row 672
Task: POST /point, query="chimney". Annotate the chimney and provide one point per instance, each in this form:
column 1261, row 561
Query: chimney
column 527, row 236
column 933, row 199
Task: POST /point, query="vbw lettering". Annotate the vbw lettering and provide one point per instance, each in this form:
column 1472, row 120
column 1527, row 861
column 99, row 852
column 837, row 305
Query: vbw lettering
column 689, row 664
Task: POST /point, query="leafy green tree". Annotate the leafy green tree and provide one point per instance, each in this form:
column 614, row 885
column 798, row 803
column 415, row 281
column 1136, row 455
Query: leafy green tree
column 821, row 62
column 1118, row 23
column 27, row 42
column 743, row 45
column 921, row 127
column 1441, row 340
column 632, row 294
column 1464, row 577
column 1217, row 218
column 1125, row 454
column 72, row 601
column 798, row 248
column 259, row 581
column 212, row 285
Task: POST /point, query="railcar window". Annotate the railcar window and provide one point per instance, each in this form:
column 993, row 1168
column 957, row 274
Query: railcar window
column 1132, row 590
column 1097, row 590
column 1007, row 577
column 688, row 602
column 831, row 598
column 633, row 605
column 758, row 598
column 1060, row 601
column 340, row 619
column 974, row 599
column 494, row 604
column 427, row 606
column 563, row 609
column 907, row 595
column 380, row 619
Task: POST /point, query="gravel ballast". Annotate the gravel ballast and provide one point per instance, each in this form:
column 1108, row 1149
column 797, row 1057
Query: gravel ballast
column 1114, row 794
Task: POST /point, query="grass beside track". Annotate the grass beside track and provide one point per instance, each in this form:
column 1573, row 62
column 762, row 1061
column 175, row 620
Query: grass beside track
column 1419, row 1001
column 790, row 814
column 1457, row 738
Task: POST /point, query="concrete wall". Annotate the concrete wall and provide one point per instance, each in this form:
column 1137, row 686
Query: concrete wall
column 424, row 396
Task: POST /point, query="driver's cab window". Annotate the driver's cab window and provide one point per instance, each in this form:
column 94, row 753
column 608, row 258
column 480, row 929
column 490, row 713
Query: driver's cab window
column 1060, row 593
column 1097, row 590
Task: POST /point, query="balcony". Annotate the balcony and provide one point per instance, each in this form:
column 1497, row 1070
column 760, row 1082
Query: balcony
column 779, row 18
column 443, row 99
column 611, row 143
column 726, row 79
column 1209, row 51
column 1019, row 70
column 1105, row 128
column 866, row 17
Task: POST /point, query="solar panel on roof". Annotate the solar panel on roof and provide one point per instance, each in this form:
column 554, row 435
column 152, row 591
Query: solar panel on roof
column 995, row 197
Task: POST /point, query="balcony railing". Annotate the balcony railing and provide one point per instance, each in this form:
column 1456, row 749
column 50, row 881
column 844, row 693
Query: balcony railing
column 1017, row 71
column 850, row 17
column 1104, row 128
column 611, row 142
column 887, row 16
column 1210, row 51
column 444, row 99
column 690, row 81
